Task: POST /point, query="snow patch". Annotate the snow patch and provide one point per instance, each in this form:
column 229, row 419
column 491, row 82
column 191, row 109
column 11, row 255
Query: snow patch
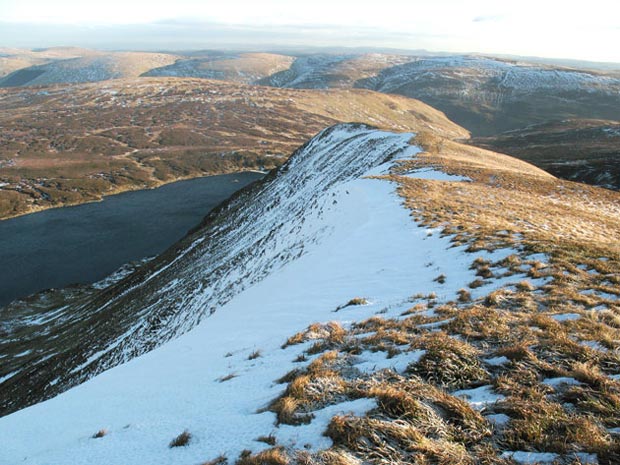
column 566, row 316
column 480, row 397
column 435, row 175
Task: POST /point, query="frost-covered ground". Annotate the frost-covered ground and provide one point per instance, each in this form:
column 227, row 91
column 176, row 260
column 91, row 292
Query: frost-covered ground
column 361, row 242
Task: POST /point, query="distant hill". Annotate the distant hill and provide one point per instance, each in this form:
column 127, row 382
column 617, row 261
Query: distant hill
column 484, row 95
column 245, row 68
column 88, row 66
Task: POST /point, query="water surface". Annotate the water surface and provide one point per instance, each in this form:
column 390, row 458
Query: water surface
column 82, row 244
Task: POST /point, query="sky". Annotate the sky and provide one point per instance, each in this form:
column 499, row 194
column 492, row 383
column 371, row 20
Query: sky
column 560, row 29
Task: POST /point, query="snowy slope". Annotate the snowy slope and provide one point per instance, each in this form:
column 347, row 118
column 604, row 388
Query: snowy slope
column 252, row 236
column 313, row 236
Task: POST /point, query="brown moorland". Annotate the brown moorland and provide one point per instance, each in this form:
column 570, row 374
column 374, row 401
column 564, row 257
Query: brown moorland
column 69, row 144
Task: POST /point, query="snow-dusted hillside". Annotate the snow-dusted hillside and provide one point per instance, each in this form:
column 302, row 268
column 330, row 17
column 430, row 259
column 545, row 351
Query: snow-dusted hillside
column 521, row 77
column 488, row 95
column 255, row 234
column 289, row 252
column 308, row 72
column 484, row 95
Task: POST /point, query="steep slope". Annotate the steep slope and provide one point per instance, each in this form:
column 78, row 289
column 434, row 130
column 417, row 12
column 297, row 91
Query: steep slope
column 247, row 240
column 74, row 143
column 486, row 333
column 580, row 150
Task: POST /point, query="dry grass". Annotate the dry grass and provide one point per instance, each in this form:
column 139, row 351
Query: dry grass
column 448, row 362
column 269, row 439
column 352, row 303
column 275, row 456
column 221, row 460
column 254, row 355
column 181, row 440
column 227, row 377
column 329, row 333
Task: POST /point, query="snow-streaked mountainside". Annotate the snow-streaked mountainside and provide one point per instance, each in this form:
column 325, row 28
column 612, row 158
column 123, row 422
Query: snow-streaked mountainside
column 488, row 95
column 484, row 95
column 259, row 231
column 506, row 74
column 287, row 252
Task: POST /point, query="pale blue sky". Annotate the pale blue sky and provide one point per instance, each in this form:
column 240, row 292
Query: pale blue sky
column 589, row 31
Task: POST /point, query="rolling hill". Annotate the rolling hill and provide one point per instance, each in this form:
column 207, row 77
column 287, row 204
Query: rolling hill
column 245, row 68
column 485, row 95
column 88, row 66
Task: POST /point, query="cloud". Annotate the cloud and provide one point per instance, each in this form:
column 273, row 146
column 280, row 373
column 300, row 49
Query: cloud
column 488, row 19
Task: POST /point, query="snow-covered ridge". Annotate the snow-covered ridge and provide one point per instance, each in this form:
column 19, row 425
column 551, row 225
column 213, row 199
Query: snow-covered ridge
column 240, row 244
column 316, row 234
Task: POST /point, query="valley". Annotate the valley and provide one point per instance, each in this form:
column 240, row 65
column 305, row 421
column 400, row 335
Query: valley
column 581, row 150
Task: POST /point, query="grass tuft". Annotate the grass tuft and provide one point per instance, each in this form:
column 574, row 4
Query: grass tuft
column 181, row 440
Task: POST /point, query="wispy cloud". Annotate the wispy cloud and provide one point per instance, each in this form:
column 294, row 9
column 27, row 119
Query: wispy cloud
column 488, row 18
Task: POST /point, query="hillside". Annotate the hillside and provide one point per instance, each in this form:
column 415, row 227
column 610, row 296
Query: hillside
column 488, row 96
column 325, row 71
column 380, row 298
column 69, row 144
column 580, row 150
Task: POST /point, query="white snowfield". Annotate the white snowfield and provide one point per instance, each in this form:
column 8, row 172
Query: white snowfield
column 359, row 240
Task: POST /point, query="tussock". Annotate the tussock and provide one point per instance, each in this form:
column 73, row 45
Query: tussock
column 181, row 440
column 448, row 362
column 275, row 456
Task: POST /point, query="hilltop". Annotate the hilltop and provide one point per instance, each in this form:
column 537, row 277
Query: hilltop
column 381, row 297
